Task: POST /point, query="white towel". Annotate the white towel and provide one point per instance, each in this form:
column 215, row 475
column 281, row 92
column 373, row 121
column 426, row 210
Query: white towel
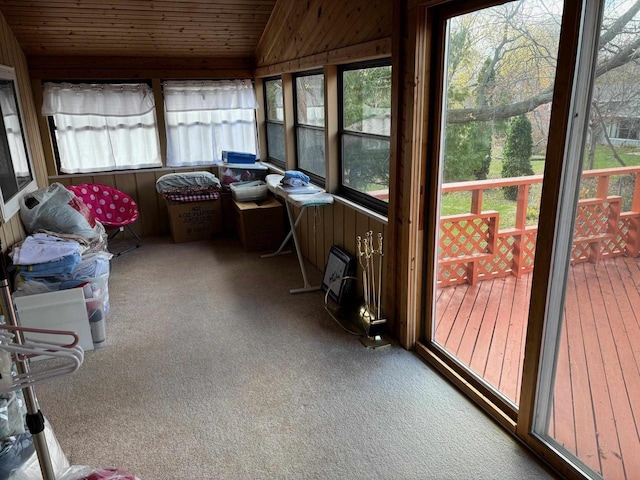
column 43, row 248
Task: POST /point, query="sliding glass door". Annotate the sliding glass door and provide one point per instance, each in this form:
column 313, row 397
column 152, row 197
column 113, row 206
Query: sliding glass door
column 534, row 248
column 498, row 76
column 588, row 403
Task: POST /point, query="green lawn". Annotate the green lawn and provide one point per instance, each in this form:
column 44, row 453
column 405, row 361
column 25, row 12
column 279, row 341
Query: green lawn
column 493, row 199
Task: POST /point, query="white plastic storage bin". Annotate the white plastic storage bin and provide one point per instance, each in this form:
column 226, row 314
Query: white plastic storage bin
column 62, row 310
column 237, row 172
column 249, row 191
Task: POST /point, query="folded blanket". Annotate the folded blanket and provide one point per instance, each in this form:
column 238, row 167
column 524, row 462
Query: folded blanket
column 186, row 179
column 296, row 174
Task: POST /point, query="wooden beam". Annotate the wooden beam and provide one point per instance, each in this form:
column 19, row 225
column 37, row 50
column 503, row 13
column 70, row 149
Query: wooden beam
column 364, row 51
column 138, row 67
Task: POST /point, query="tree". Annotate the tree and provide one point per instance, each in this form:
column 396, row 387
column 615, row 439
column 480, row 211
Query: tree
column 366, row 110
column 523, row 41
column 467, row 151
column 516, row 161
column 468, row 146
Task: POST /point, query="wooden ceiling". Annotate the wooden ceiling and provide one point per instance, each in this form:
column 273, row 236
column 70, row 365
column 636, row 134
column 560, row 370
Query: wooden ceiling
column 138, row 28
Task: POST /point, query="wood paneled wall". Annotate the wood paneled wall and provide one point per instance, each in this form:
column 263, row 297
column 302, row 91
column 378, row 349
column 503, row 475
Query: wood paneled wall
column 410, row 170
column 339, row 224
column 301, row 29
column 343, row 32
column 11, row 54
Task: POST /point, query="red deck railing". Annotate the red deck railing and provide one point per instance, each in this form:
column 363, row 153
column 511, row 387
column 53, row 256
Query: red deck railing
column 474, row 247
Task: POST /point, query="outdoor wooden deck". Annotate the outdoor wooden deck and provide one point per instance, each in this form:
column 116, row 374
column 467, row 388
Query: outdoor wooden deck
column 596, row 409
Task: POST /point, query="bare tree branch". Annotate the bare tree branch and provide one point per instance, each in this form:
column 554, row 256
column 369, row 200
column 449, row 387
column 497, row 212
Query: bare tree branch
column 463, row 115
column 628, row 53
column 485, row 113
column 618, row 25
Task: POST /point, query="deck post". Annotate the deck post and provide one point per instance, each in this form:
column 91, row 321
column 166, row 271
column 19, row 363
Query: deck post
column 519, row 238
column 603, row 187
column 632, row 247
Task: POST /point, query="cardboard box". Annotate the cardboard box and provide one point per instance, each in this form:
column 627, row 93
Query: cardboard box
column 259, row 225
column 192, row 221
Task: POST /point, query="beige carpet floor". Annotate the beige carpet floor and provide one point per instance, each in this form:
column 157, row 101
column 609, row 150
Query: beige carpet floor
column 212, row 370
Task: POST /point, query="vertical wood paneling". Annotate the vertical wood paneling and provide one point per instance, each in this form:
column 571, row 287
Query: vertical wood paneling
column 148, row 203
column 11, row 54
column 407, row 173
column 338, row 224
column 349, row 229
column 361, row 229
column 336, row 24
column 327, row 213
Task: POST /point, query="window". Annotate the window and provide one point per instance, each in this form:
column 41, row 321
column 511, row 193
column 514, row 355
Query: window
column 203, row 118
column 365, row 129
column 102, row 126
column 16, row 177
column 309, row 97
column 275, row 121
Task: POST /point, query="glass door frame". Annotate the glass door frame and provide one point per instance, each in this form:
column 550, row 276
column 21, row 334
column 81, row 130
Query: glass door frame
column 429, row 70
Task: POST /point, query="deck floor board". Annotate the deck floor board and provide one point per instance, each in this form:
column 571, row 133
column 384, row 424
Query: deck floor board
column 595, row 411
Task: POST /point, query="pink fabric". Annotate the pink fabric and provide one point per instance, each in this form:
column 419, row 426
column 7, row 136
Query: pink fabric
column 109, row 206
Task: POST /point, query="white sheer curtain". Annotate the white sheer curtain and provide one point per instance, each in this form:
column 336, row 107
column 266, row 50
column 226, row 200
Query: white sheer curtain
column 203, row 118
column 101, row 127
column 11, row 118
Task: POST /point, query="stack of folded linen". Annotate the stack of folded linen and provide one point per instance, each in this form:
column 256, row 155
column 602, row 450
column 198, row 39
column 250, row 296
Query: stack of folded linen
column 189, row 186
column 46, row 263
column 43, row 255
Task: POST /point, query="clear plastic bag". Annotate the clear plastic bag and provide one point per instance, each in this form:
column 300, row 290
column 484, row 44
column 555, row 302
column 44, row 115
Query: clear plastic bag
column 79, row 472
column 30, row 470
column 49, row 209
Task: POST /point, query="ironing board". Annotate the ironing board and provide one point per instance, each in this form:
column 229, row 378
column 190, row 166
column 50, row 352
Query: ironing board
column 301, row 197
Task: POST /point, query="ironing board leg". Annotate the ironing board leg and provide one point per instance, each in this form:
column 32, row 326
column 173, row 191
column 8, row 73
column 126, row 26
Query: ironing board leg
column 280, row 250
column 307, row 287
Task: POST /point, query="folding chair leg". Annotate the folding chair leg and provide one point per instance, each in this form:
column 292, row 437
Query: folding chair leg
column 133, row 232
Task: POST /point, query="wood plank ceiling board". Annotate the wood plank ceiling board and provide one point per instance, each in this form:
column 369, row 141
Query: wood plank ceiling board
column 336, row 24
column 138, row 28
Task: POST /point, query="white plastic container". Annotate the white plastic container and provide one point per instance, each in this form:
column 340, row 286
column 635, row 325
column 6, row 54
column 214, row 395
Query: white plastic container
column 249, row 191
column 229, row 173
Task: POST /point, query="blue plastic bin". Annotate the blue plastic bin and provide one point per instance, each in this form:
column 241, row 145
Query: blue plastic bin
column 238, row 157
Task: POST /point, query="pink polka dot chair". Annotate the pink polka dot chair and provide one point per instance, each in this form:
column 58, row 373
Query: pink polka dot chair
column 111, row 207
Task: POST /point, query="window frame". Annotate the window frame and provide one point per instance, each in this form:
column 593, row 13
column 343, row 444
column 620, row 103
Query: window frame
column 11, row 207
column 166, row 114
column 52, row 124
column 277, row 162
column 316, row 179
column 367, row 201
